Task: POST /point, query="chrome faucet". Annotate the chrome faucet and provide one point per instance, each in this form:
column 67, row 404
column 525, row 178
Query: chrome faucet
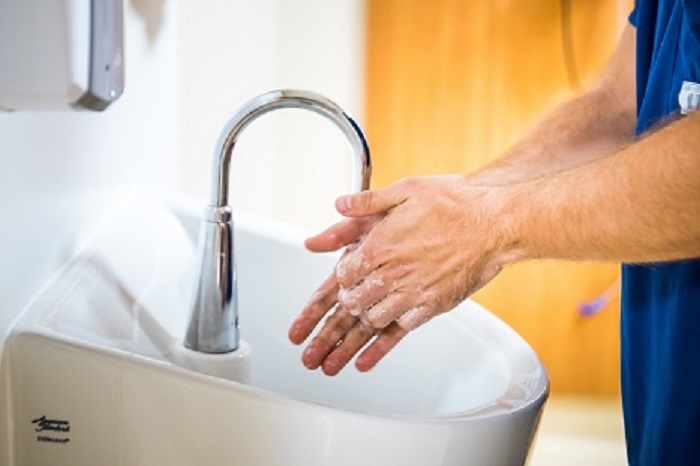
column 213, row 326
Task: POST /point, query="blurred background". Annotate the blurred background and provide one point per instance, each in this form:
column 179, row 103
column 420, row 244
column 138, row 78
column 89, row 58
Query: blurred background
column 439, row 87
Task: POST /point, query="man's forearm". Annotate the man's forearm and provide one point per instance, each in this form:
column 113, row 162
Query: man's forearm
column 590, row 126
column 640, row 204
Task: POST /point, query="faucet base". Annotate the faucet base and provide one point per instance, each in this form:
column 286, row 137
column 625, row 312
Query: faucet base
column 236, row 366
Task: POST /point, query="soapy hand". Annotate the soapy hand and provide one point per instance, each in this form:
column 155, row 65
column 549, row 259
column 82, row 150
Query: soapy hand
column 414, row 250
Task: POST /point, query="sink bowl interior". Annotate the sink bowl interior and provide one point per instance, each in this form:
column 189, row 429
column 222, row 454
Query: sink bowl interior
column 129, row 292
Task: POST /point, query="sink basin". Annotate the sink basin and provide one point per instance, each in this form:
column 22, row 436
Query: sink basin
column 89, row 373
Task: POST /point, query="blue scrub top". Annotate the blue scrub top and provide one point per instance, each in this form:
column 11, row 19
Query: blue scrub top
column 661, row 302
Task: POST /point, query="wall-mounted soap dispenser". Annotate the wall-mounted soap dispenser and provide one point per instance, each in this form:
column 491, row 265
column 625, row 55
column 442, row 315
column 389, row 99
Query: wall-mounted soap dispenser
column 61, row 54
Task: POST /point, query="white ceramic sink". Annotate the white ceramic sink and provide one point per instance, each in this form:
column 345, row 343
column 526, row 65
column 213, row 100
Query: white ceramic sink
column 88, row 377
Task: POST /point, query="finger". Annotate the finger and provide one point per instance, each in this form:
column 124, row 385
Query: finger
column 371, row 202
column 353, row 267
column 382, row 344
column 415, row 317
column 333, row 331
column 390, row 308
column 341, row 355
column 373, row 289
column 391, row 335
column 320, row 303
column 339, row 235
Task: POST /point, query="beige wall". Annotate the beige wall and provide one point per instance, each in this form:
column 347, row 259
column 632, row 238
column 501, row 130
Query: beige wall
column 465, row 80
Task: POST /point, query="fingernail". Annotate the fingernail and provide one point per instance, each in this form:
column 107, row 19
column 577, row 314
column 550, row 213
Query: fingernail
column 309, row 366
column 309, row 360
column 364, row 364
column 331, row 368
column 343, row 204
column 295, row 336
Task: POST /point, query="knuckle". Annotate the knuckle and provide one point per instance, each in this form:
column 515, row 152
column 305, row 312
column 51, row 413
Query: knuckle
column 413, row 318
column 367, row 200
column 320, row 344
column 368, row 324
column 401, row 271
column 409, row 183
column 353, row 266
column 338, row 320
column 350, row 301
column 378, row 317
column 367, row 256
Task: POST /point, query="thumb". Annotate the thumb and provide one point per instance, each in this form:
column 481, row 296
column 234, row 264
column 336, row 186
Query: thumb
column 369, row 202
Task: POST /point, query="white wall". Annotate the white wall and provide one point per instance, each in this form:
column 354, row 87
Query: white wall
column 290, row 164
column 189, row 65
column 60, row 171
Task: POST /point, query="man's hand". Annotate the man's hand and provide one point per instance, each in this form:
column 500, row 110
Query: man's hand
column 417, row 249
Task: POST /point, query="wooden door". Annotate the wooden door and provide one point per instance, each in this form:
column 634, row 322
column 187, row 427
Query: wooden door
column 450, row 85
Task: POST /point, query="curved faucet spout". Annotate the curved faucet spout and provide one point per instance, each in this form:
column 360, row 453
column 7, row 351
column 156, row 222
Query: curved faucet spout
column 286, row 99
column 213, row 326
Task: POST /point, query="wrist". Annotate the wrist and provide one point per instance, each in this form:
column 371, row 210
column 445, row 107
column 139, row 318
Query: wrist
column 512, row 223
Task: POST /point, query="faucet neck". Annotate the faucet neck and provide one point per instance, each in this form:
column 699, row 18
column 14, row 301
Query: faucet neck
column 279, row 99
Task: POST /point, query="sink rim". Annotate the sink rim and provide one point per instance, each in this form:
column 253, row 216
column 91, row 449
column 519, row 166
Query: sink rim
column 168, row 368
